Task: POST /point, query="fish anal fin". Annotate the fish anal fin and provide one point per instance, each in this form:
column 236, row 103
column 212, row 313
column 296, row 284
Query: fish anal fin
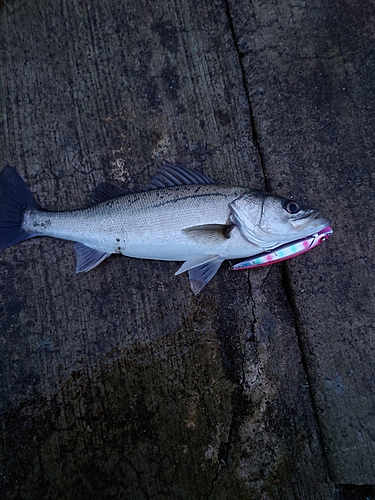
column 88, row 258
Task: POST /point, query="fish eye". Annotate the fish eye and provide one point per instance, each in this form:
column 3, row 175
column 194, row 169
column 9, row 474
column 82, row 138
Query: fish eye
column 292, row 206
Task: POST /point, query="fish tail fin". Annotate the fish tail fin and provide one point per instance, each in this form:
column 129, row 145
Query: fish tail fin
column 15, row 199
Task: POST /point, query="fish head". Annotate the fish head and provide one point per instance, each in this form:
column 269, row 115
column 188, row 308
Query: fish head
column 268, row 220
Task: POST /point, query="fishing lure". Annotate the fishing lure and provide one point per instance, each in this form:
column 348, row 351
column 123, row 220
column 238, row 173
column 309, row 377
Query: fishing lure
column 284, row 252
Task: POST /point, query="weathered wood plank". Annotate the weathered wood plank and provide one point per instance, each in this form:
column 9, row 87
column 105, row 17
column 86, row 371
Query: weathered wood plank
column 119, row 382
column 310, row 73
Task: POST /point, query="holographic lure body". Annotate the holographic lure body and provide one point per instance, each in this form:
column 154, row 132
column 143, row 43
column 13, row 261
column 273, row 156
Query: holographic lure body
column 284, row 252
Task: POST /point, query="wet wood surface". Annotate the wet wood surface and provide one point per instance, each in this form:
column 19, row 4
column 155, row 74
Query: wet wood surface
column 120, row 383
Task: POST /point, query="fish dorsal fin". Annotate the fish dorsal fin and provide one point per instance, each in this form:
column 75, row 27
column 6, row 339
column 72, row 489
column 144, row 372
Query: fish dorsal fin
column 88, row 258
column 105, row 192
column 170, row 175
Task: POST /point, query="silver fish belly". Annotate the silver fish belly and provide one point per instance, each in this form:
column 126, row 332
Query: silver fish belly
column 150, row 224
column 181, row 216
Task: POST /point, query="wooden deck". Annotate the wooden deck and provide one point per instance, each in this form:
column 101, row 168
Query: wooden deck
column 120, row 383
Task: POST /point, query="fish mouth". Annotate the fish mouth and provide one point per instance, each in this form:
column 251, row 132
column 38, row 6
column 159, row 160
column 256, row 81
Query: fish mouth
column 311, row 223
column 321, row 223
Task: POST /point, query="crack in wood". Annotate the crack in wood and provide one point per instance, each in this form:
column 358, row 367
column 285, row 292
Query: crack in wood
column 290, row 298
column 254, row 132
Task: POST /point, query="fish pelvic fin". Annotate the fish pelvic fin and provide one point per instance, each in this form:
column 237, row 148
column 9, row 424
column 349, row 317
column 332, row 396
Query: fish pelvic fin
column 196, row 262
column 201, row 270
column 88, row 258
column 201, row 275
column 15, row 200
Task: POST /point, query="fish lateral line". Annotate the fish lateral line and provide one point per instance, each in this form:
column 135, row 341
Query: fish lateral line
column 181, row 215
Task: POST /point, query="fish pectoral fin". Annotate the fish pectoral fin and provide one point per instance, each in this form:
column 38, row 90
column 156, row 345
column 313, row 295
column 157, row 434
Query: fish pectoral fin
column 88, row 258
column 196, row 262
column 208, row 232
column 199, row 276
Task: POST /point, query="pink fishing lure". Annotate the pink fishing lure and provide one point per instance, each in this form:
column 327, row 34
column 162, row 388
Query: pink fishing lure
column 284, row 252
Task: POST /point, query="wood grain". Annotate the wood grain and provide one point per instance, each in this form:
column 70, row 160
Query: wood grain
column 119, row 382
column 315, row 131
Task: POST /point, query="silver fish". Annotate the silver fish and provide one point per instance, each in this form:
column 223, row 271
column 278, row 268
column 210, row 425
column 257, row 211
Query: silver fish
column 181, row 215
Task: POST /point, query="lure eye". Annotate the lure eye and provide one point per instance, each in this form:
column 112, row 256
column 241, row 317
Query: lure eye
column 292, row 207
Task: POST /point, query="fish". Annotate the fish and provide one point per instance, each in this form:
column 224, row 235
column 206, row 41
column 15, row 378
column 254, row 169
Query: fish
column 181, row 215
column 284, row 252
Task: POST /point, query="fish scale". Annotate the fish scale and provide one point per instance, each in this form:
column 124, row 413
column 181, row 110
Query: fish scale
column 148, row 219
column 181, row 216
